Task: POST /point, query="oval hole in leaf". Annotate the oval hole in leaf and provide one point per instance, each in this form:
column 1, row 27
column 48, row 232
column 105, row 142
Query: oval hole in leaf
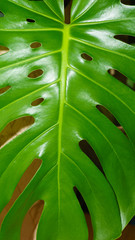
column 125, row 38
column 35, row 45
column 31, row 221
column 15, row 128
column 4, row 89
column 85, row 211
column 24, row 181
column 36, row 73
column 122, row 78
column 111, row 117
column 3, row 50
column 37, row 101
column 86, row 57
column 30, row 20
column 90, row 153
column 1, row 14
column 128, row 2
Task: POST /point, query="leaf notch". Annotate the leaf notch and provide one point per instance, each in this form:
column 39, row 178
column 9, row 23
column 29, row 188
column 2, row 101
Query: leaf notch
column 125, row 38
column 1, row 14
column 3, row 50
column 22, row 184
column 4, row 89
column 128, row 2
column 90, row 153
column 111, row 117
column 14, row 129
column 122, row 78
column 85, row 210
column 31, row 221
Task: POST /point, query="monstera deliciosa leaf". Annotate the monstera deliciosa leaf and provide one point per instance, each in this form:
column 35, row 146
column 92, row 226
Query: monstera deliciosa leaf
column 66, row 67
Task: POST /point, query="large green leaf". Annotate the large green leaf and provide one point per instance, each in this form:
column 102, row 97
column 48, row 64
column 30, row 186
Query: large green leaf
column 72, row 87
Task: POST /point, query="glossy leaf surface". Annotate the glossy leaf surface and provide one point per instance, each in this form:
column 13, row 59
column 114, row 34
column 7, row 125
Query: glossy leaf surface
column 65, row 67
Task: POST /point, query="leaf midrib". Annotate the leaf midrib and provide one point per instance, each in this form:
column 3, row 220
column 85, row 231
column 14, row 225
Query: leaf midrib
column 64, row 65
